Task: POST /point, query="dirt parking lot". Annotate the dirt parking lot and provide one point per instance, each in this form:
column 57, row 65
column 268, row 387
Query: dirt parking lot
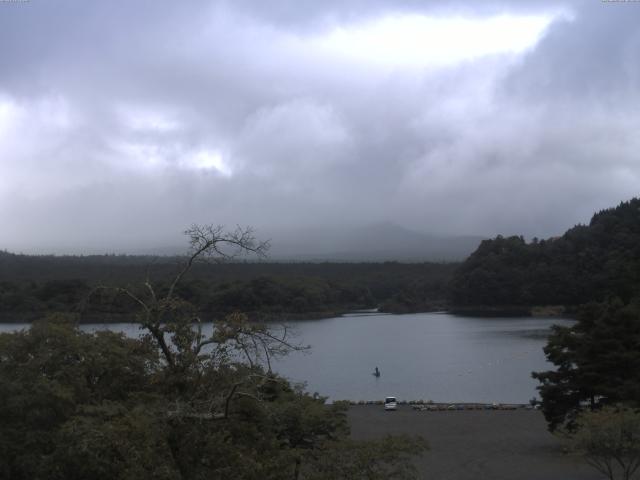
column 476, row 444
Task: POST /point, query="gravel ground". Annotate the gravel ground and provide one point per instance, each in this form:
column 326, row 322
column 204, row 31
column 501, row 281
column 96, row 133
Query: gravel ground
column 474, row 445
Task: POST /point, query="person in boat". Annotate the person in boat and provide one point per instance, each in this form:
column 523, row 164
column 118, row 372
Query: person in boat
column 377, row 372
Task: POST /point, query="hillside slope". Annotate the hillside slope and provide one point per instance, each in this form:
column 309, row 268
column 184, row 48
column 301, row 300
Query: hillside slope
column 588, row 263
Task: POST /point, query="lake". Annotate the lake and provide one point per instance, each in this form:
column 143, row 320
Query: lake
column 430, row 356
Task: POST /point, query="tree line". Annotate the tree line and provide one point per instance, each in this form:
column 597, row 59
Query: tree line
column 34, row 285
column 588, row 263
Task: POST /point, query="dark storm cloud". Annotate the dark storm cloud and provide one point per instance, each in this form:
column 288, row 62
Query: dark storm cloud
column 123, row 122
column 594, row 58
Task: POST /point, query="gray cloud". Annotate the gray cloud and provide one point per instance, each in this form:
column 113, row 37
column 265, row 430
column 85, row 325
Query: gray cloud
column 123, row 122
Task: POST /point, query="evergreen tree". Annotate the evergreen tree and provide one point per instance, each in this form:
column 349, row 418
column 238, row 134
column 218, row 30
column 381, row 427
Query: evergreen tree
column 597, row 360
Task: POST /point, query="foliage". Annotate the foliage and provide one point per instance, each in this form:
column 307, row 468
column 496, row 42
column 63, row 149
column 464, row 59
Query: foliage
column 51, row 371
column 587, row 263
column 42, row 284
column 175, row 403
column 597, row 360
column 609, row 439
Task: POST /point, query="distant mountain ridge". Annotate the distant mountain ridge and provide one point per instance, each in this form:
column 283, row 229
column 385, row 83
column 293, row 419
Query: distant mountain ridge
column 380, row 242
column 377, row 242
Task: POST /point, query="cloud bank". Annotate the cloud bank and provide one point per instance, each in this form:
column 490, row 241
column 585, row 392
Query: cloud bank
column 121, row 123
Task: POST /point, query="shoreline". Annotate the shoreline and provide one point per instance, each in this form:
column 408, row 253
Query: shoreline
column 428, row 405
column 269, row 317
column 560, row 311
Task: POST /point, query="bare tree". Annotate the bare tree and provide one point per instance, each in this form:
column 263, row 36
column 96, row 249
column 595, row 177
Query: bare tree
column 175, row 325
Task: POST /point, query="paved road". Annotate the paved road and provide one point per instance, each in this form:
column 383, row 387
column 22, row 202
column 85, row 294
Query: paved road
column 476, row 445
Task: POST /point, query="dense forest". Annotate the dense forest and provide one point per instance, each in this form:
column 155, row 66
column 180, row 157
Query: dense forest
column 588, row 263
column 174, row 403
column 33, row 285
column 597, row 362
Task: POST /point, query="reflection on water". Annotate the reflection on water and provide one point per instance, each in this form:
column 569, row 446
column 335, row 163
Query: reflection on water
column 432, row 356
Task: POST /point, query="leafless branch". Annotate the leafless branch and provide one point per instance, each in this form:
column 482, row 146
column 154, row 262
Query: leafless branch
column 151, row 290
column 227, row 401
column 210, row 240
column 267, row 356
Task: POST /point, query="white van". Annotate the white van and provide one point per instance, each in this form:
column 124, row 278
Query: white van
column 390, row 403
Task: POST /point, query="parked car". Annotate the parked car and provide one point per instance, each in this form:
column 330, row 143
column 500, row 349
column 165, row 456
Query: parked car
column 390, row 403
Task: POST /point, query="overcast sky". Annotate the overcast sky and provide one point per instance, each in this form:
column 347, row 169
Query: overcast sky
column 122, row 122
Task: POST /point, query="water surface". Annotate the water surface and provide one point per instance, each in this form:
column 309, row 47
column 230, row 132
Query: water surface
column 430, row 356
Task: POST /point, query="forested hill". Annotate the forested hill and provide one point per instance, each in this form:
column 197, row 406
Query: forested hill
column 34, row 285
column 588, row 263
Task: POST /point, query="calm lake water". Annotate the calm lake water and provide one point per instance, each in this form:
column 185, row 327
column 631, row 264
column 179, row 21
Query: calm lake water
column 433, row 356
